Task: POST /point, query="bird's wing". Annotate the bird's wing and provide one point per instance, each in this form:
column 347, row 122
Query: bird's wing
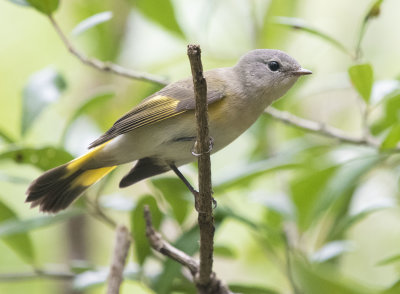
column 168, row 102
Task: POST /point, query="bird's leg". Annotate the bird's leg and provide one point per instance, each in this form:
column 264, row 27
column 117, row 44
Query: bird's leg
column 210, row 147
column 188, row 185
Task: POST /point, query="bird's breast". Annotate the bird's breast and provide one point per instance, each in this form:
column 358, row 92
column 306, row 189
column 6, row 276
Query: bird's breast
column 229, row 119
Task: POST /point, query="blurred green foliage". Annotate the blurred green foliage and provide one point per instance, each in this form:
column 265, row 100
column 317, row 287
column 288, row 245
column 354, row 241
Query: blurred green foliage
column 297, row 212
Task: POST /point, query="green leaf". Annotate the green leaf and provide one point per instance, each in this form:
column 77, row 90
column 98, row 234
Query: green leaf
column 141, row 245
column 395, row 289
column 244, row 175
column 305, row 192
column 6, row 138
column 362, row 78
column 177, row 195
column 44, row 6
column 91, row 22
column 42, row 89
column 161, row 12
column 315, row 191
column 300, row 24
column 392, row 138
column 323, row 279
column 17, row 226
column 250, row 289
column 390, row 116
column 224, row 251
column 43, row 158
column 270, row 35
column 343, row 223
column 390, row 260
column 344, row 181
column 21, row 243
column 96, row 101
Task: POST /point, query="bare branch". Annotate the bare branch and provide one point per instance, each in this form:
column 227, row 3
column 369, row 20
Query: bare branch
column 321, row 128
column 38, row 274
column 162, row 246
column 205, row 200
column 105, row 66
column 122, row 244
column 216, row 286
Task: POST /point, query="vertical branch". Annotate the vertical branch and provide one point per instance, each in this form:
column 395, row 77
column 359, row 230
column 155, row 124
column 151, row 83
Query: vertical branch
column 122, row 243
column 204, row 199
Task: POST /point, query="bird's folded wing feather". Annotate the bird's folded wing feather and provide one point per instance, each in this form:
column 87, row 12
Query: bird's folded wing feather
column 168, row 102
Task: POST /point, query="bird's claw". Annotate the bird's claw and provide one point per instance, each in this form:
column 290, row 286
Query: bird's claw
column 210, row 147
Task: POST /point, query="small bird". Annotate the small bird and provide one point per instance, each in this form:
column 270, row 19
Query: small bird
column 160, row 132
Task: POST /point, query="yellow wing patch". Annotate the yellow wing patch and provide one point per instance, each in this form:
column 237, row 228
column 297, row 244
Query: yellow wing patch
column 148, row 112
column 153, row 110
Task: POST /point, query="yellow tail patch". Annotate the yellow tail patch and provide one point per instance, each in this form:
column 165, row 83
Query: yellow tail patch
column 91, row 176
column 77, row 163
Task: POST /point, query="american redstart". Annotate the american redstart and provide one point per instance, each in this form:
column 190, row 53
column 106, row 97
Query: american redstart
column 160, row 132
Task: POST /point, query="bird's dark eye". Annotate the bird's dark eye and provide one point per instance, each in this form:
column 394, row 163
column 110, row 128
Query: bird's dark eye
column 273, row 65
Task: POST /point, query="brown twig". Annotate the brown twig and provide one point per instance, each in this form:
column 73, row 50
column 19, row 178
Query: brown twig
column 162, row 246
column 216, row 286
column 105, row 66
column 321, row 128
column 205, row 215
column 122, row 244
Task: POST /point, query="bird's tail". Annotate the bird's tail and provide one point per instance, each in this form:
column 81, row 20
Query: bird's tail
column 57, row 188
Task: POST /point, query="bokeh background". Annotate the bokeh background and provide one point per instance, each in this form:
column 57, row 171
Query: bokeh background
column 297, row 212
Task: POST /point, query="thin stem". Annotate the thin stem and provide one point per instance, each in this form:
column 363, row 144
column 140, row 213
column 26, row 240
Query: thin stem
column 37, row 274
column 98, row 213
column 105, row 66
column 358, row 51
column 321, row 128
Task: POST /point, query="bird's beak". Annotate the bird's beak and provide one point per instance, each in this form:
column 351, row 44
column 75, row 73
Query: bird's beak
column 302, row 72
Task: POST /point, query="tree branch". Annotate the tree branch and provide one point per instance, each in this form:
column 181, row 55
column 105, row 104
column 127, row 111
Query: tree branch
column 163, row 247
column 48, row 274
column 105, row 66
column 122, row 244
column 202, row 147
column 321, row 128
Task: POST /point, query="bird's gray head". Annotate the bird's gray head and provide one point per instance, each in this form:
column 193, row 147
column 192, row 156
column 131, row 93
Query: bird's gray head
column 269, row 73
